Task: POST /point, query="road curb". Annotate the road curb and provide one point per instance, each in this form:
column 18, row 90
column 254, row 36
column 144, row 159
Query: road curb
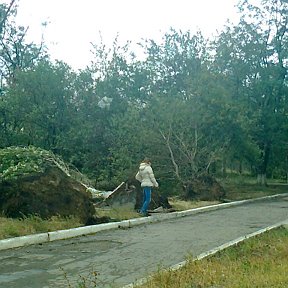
column 70, row 233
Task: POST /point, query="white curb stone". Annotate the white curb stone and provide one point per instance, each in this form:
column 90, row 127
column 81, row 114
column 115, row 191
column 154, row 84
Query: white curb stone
column 70, row 233
column 23, row 241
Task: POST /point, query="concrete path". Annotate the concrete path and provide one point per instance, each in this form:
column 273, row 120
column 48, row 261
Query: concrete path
column 122, row 256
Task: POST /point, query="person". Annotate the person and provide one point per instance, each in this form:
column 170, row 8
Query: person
column 147, row 179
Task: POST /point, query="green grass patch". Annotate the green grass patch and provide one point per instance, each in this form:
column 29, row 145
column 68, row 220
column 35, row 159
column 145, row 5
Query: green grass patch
column 260, row 261
column 180, row 205
column 30, row 225
column 117, row 213
column 241, row 191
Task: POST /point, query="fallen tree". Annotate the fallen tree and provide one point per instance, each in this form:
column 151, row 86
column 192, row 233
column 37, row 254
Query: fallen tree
column 34, row 181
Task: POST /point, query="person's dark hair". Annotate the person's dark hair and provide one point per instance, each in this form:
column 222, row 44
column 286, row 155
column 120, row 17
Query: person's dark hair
column 147, row 161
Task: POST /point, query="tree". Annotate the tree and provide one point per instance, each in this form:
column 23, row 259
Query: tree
column 175, row 62
column 252, row 56
column 270, row 85
column 15, row 53
column 39, row 106
column 188, row 107
column 119, row 87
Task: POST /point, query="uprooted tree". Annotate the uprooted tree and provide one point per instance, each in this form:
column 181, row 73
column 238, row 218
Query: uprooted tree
column 192, row 168
column 190, row 146
column 34, row 181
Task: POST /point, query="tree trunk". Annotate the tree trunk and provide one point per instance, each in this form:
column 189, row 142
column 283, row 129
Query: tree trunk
column 223, row 168
column 261, row 179
column 262, row 170
column 287, row 169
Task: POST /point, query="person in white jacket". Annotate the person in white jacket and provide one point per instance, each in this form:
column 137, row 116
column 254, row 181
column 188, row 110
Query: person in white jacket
column 147, row 179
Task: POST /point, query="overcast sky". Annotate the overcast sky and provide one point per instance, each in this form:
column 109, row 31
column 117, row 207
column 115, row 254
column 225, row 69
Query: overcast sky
column 73, row 24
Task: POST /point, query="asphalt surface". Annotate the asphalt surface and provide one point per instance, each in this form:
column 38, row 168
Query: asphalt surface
column 122, row 256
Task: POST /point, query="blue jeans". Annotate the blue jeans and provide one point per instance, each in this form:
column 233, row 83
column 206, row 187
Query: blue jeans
column 146, row 199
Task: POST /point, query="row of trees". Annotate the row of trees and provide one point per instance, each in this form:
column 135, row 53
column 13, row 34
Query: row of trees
column 194, row 105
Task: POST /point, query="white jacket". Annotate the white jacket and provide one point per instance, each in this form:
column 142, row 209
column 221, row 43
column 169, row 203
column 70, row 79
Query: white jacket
column 145, row 175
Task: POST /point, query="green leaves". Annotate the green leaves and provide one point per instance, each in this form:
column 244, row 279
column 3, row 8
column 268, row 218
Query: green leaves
column 17, row 161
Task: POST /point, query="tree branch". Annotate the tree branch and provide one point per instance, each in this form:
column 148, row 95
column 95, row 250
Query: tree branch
column 2, row 23
column 167, row 141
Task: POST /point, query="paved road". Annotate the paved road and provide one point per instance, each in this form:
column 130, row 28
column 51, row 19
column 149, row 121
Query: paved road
column 125, row 255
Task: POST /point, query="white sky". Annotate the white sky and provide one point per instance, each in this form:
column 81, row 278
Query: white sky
column 73, row 24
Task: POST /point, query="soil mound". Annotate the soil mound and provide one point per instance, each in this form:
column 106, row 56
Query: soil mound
column 36, row 182
column 204, row 188
column 130, row 194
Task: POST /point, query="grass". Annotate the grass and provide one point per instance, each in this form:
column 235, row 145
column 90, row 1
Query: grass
column 180, row 205
column 30, row 225
column 241, row 191
column 260, row 261
column 118, row 213
column 236, row 189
